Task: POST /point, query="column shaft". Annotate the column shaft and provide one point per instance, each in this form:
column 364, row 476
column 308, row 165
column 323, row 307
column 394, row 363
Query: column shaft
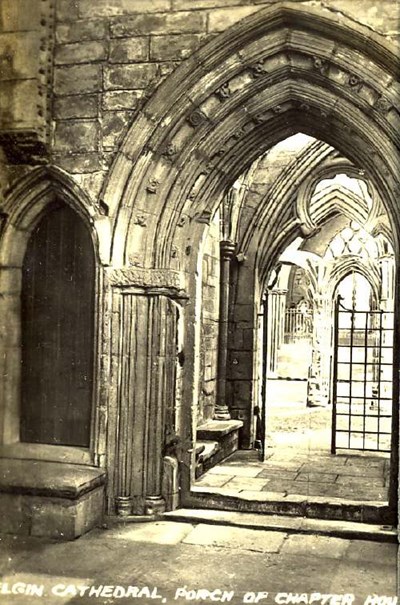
column 227, row 249
column 143, row 380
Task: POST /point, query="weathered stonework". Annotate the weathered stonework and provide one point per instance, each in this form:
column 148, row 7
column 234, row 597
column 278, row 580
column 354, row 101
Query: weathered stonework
column 147, row 112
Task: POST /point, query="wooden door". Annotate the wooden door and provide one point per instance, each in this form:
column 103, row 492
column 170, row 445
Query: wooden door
column 57, row 317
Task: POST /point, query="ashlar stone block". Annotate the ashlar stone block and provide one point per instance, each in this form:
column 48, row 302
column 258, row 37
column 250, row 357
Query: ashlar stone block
column 115, row 123
column 173, row 47
column 80, row 31
column 19, row 52
column 161, row 23
column 220, row 20
column 130, row 50
column 105, row 8
column 121, row 99
column 77, row 135
column 77, row 79
column 80, row 52
column 67, row 10
column 76, row 106
column 125, row 77
column 18, row 15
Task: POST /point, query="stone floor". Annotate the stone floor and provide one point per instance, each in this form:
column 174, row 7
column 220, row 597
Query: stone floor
column 168, row 562
column 298, row 459
column 292, row 472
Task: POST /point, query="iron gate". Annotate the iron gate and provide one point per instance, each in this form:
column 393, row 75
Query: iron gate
column 362, row 380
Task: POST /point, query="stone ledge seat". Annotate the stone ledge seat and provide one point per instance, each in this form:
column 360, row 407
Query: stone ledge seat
column 215, row 429
column 51, row 499
column 215, row 440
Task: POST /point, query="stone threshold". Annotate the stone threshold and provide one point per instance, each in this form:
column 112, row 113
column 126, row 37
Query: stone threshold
column 341, row 529
column 48, row 479
column 314, row 507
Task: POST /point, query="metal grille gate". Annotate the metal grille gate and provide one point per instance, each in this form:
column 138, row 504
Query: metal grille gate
column 362, row 380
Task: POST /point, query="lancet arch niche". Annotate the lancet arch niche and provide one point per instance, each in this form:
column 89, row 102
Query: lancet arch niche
column 283, row 70
column 49, row 261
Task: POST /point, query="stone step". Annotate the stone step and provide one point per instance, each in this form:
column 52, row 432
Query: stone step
column 270, row 503
column 215, row 441
column 208, row 449
column 342, row 529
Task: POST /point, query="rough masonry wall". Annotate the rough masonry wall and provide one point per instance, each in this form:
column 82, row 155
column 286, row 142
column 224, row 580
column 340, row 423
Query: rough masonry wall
column 79, row 97
column 111, row 54
column 26, row 43
column 209, row 322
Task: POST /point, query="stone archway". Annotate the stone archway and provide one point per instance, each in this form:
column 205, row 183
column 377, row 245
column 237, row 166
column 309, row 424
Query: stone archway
column 283, row 70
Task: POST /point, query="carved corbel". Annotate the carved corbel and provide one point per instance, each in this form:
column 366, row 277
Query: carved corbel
column 141, row 220
column 383, row 105
column 354, row 82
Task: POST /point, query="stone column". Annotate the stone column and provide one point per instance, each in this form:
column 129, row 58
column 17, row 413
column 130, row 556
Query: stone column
column 384, row 364
column 319, row 372
column 227, row 249
column 142, row 396
column 387, row 270
column 276, row 327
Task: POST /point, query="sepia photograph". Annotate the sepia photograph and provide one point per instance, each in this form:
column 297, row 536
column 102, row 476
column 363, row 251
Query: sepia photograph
column 199, row 302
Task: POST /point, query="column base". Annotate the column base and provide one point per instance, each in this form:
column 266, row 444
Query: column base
column 154, row 505
column 316, row 404
column 123, row 505
column 222, row 413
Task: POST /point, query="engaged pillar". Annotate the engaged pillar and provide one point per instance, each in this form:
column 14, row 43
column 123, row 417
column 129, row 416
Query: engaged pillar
column 141, row 408
column 227, row 249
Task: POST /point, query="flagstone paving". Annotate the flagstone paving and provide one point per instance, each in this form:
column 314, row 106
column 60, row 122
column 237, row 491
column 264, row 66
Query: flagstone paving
column 350, row 477
column 171, row 561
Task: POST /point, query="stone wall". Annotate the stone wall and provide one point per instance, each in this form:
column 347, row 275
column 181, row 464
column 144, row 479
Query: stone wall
column 209, row 322
column 71, row 82
column 26, row 46
column 241, row 346
column 108, row 57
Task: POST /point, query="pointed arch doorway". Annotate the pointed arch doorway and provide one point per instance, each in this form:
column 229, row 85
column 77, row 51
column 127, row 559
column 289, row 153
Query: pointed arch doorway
column 240, row 94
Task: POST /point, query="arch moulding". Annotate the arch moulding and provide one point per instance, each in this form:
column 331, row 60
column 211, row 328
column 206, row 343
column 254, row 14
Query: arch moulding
column 257, row 83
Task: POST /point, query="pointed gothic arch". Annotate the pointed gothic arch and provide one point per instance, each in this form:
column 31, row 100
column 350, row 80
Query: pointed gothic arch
column 48, row 228
column 237, row 96
column 283, row 70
